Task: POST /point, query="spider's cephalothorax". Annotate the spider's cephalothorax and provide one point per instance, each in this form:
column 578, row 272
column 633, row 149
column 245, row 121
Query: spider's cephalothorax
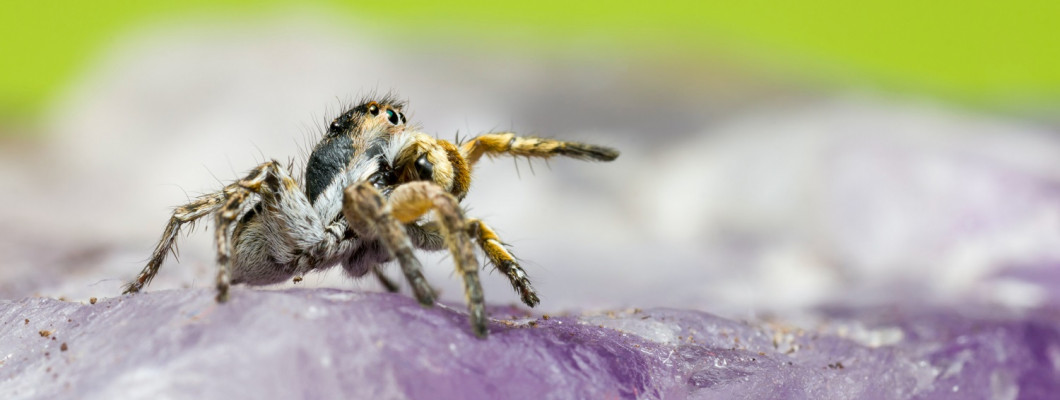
column 367, row 188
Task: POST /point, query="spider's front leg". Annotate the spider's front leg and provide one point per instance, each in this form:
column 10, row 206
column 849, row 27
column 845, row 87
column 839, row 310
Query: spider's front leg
column 426, row 236
column 369, row 215
column 494, row 249
column 384, row 280
column 407, row 203
column 498, row 143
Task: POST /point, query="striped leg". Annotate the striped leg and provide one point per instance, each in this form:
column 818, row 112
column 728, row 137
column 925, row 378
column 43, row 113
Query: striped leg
column 504, row 261
column 284, row 209
column 237, row 196
column 184, row 214
column 528, row 146
column 384, row 280
column 223, row 240
column 407, row 203
column 369, row 216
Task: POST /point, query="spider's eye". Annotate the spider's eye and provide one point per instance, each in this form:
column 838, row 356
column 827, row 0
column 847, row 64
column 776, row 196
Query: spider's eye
column 402, row 117
column 424, row 168
column 392, row 117
column 373, row 109
column 336, row 127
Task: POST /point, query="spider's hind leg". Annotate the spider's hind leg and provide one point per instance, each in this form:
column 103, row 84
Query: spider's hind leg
column 184, row 214
column 223, row 232
column 285, row 210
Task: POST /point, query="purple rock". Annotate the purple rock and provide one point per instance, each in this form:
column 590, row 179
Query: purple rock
column 326, row 343
column 778, row 208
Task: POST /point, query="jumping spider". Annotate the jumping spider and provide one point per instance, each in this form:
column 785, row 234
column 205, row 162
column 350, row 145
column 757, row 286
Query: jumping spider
column 367, row 188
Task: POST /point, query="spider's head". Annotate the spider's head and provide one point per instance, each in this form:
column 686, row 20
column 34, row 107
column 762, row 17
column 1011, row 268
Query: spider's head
column 355, row 133
column 370, row 116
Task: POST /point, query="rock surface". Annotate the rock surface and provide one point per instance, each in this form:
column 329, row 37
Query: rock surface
column 326, row 343
column 934, row 228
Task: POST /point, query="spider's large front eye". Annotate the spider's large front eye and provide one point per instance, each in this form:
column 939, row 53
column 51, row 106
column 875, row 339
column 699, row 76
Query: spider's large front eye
column 424, row 168
column 373, row 109
column 392, row 117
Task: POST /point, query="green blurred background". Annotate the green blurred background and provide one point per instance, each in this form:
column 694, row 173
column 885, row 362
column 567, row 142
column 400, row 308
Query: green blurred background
column 994, row 55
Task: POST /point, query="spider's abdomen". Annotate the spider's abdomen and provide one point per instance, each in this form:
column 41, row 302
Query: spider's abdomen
column 327, row 161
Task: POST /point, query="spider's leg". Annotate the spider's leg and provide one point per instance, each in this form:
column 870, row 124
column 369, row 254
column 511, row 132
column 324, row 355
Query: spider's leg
column 529, row 146
column 493, row 248
column 387, row 283
column 325, row 252
column 369, row 215
column 410, row 201
column 287, row 212
column 425, row 236
column 223, row 238
column 184, row 214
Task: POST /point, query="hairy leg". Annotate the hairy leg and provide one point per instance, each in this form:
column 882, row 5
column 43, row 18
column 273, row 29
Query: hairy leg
column 223, row 239
column 410, row 201
column 288, row 223
column 184, row 214
column 368, row 214
column 384, row 280
column 407, row 203
column 426, row 236
column 286, row 206
column 528, row 146
column 504, row 261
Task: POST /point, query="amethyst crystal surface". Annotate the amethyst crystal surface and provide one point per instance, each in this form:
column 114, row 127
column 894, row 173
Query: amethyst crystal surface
column 782, row 244
column 326, row 343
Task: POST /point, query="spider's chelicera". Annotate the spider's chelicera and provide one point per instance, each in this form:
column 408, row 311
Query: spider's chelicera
column 368, row 187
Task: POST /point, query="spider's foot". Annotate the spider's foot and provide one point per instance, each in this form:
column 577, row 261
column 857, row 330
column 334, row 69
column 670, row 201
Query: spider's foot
column 529, row 297
column 478, row 322
column 420, row 288
column 424, row 294
column 389, row 286
column 520, row 282
column 136, row 285
column 387, row 283
column 131, row 288
column 222, row 292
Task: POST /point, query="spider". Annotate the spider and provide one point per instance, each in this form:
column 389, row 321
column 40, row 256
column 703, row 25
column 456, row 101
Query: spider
column 364, row 200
